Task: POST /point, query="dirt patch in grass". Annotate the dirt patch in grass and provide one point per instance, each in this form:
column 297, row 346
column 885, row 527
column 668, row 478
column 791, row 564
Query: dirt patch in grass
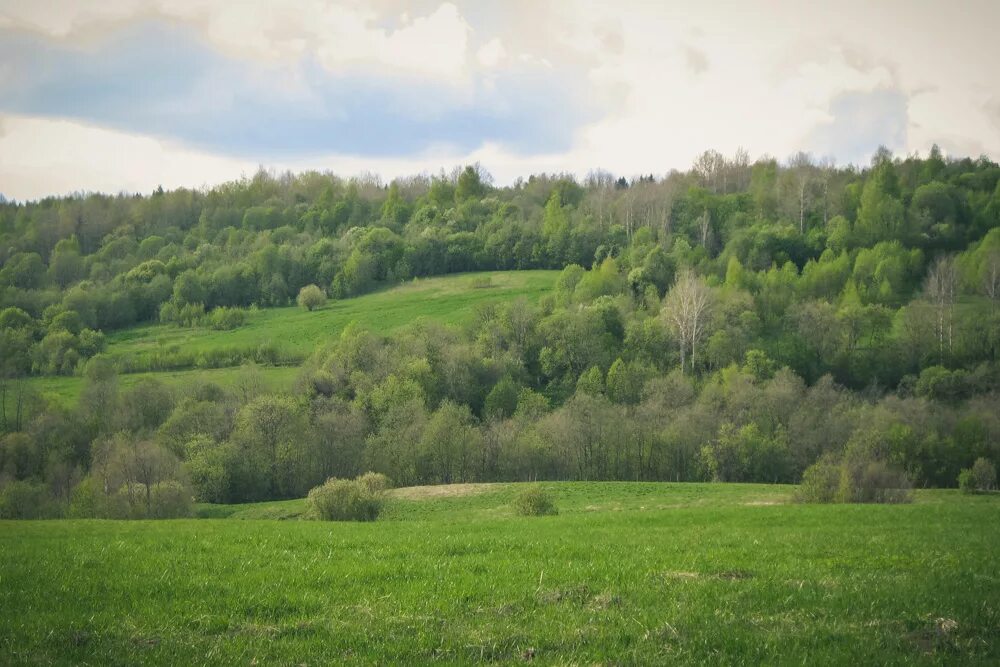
column 937, row 636
column 441, row 491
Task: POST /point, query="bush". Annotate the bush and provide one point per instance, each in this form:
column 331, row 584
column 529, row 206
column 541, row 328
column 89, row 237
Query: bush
column 27, row 500
column 375, row 482
column 820, row 482
column 311, row 297
column 226, row 319
column 88, row 500
column 854, row 480
column 534, row 501
column 984, row 474
column 170, row 500
column 966, row 482
column 878, row 482
column 343, row 500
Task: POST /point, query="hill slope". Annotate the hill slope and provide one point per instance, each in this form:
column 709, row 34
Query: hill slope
column 294, row 333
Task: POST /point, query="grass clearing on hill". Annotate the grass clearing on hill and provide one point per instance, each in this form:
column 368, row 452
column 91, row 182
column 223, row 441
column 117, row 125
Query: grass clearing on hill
column 448, row 299
column 625, row 574
column 64, row 390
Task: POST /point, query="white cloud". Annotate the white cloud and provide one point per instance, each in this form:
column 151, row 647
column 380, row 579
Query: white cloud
column 43, row 157
column 338, row 34
column 676, row 78
column 492, row 53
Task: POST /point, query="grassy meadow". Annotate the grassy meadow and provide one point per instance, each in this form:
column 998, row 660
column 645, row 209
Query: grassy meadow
column 448, row 299
column 296, row 332
column 626, row 573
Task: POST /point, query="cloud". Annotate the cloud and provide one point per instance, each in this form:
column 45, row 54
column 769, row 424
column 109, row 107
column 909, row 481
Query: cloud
column 992, row 110
column 861, row 121
column 492, row 53
column 43, row 157
column 697, row 61
column 337, row 34
column 522, row 85
column 162, row 79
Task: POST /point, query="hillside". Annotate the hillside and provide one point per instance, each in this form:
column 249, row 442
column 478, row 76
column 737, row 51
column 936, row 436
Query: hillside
column 626, row 573
column 294, row 332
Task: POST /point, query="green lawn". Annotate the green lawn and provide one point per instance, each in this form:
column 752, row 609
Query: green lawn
column 625, row 574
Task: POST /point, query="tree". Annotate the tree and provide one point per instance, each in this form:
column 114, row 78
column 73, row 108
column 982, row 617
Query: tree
column 501, row 402
column 800, row 183
column 591, row 381
column 686, row 309
column 625, row 382
column 470, row 184
column 448, row 444
column 880, row 216
column 991, row 275
column 269, row 436
column 311, row 297
column 984, row 474
column 940, row 289
column 188, row 288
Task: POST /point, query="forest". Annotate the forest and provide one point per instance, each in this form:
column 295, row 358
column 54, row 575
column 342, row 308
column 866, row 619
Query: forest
column 736, row 322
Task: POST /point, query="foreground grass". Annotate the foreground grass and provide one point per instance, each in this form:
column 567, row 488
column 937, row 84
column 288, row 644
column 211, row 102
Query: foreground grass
column 625, row 574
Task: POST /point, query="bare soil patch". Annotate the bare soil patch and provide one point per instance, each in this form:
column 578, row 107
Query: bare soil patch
column 440, row 491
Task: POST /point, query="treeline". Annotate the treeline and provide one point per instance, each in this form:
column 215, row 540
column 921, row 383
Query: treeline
column 78, row 266
column 586, row 385
column 435, row 405
column 738, row 322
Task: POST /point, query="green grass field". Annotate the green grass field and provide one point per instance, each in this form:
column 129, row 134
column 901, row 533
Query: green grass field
column 625, row 574
column 64, row 390
column 448, row 299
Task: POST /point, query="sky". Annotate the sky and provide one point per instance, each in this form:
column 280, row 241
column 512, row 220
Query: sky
column 128, row 95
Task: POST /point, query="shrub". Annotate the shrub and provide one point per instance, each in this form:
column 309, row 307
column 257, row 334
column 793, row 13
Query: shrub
column 984, row 474
column 966, row 482
column 88, row 500
column 190, row 314
column 874, row 481
column 170, row 500
column 311, row 297
column 27, row 500
column 343, row 500
column 854, row 480
column 534, row 501
column 820, row 482
column 375, row 482
column 226, row 319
